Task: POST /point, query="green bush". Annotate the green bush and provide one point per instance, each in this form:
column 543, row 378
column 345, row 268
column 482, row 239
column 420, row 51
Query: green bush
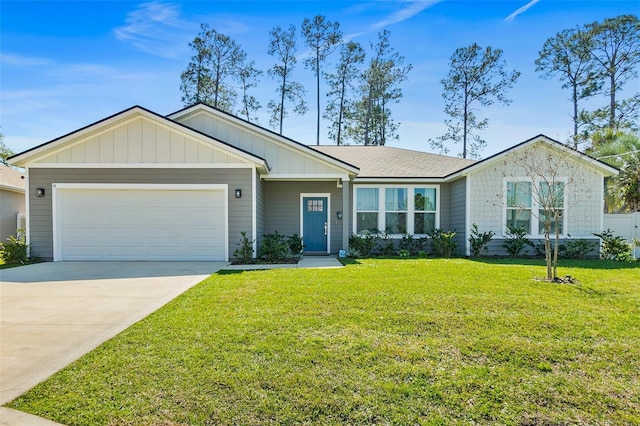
column 244, row 252
column 276, row 248
column 15, row 250
column 363, row 244
column 411, row 244
column 479, row 240
column 516, row 240
column 442, row 242
column 615, row 247
column 386, row 246
column 577, row 249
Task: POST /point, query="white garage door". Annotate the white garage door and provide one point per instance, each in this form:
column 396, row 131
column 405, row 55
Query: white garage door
column 140, row 222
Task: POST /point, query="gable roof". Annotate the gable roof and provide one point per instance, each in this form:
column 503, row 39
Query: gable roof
column 390, row 162
column 69, row 139
column 271, row 135
column 11, row 180
column 601, row 166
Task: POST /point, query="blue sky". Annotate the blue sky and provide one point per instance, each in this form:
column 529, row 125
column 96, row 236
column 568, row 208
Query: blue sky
column 67, row 64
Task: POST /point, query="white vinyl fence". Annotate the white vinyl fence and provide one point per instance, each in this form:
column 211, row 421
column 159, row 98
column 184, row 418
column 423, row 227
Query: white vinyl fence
column 625, row 225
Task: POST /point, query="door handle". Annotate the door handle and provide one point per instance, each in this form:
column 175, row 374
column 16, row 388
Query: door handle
column 326, row 228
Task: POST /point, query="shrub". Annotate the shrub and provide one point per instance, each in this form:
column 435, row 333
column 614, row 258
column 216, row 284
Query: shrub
column 479, row 240
column 295, row 244
column 442, row 242
column 385, row 244
column 516, row 240
column 615, row 247
column 244, row 252
column 279, row 248
column 353, row 253
column 364, row 244
column 411, row 244
column 404, row 253
column 15, row 250
column 577, row 249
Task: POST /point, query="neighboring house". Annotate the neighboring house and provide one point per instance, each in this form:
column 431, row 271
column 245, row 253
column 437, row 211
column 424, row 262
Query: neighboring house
column 141, row 186
column 12, row 201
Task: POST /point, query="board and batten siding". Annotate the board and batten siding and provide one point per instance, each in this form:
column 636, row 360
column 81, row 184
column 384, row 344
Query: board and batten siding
column 487, row 198
column 282, row 202
column 281, row 158
column 259, row 185
column 455, row 193
column 138, row 141
column 41, row 215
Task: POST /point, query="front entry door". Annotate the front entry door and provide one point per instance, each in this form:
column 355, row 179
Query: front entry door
column 315, row 227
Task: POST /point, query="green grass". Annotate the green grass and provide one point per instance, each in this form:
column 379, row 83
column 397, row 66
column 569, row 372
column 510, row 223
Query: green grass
column 416, row 341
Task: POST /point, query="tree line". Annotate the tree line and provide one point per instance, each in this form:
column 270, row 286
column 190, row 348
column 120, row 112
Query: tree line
column 360, row 91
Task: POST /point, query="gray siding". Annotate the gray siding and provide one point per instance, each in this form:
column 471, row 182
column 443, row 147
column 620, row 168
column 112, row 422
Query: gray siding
column 259, row 210
column 40, row 217
column 11, row 203
column 282, row 207
column 457, row 213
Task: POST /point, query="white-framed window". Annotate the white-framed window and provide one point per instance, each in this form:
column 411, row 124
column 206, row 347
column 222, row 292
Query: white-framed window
column 527, row 207
column 396, row 209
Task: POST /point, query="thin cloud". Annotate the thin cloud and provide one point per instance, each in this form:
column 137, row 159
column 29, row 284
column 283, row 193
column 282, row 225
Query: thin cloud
column 23, row 61
column 521, row 10
column 413, row 8
column 157, row 28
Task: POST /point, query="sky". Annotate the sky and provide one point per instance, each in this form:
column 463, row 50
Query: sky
column 65, row 65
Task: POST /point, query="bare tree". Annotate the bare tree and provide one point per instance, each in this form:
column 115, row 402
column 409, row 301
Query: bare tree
column 546, row 185
column 477, row 76
column 283, row 46
column 323, row 37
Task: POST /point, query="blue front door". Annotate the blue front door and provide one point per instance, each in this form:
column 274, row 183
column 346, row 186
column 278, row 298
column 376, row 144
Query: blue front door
column 315, row 227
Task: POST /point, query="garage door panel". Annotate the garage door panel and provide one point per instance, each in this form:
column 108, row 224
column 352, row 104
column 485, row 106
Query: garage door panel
column 140, row 224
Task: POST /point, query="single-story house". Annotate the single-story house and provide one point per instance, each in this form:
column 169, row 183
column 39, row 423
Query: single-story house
column 141, row 186
column 12, row 202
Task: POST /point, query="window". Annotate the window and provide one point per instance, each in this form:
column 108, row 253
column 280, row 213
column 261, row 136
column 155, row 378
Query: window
column 522, row 203
column 367, row 210
column 551, row 204
column 396, row 209
column 424, row 210
column 519, row 205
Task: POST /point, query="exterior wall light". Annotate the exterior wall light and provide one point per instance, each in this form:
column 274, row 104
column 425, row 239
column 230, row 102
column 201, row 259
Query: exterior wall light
column 40, row 192
column 339, row 214
column 238, row 193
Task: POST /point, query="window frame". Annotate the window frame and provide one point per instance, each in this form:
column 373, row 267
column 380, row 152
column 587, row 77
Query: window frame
column 535, row 205
column 382, row 211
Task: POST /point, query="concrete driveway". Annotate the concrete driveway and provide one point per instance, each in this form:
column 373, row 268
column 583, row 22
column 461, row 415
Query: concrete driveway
column 53, row 313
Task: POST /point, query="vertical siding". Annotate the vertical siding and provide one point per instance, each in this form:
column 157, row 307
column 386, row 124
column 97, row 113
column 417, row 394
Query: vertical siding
column 282, row 208
column 41, row 219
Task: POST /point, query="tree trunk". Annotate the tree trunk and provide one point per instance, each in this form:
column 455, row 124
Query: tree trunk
column 612, row 103
column 464, row 121
column 318, row 101
column 547, row 252
column 575, row 116
column 341, row 111
column 367, row 119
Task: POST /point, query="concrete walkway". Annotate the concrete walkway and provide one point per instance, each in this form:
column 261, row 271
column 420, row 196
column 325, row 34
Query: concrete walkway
column 53, row 313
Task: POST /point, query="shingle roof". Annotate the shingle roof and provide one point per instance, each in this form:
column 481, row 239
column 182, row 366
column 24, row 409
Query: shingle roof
column 11, row 179
column 389, row 162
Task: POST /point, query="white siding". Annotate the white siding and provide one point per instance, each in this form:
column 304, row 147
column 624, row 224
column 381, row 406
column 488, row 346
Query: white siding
column 583, row 203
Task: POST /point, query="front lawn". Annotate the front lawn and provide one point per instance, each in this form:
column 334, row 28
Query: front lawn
column 378, row 342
